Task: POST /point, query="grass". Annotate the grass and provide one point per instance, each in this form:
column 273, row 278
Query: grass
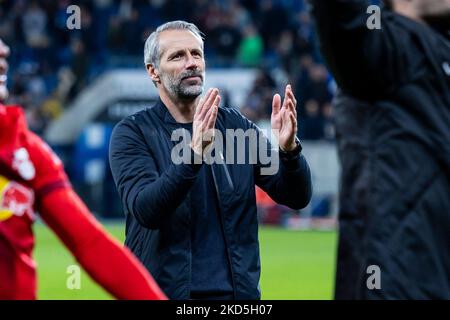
column 295, row 265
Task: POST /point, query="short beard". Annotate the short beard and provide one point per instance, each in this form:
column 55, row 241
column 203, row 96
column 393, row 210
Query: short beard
column 178, row 89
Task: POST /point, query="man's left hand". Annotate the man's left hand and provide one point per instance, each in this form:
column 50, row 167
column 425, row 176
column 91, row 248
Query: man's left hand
column 284, row 119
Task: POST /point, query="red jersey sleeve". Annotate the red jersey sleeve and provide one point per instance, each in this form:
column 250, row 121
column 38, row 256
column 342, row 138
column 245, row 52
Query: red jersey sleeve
column 107, row 262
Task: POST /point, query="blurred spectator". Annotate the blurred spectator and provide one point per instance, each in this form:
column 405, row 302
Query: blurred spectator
column 251, row 48
column 318, row 86
column 52, row 106
column 258, row 105
column 34, row 26
column 6, row 26
column 241, row 17
column 36, row 119
column 272, row 21
column 79, row 65
column 133, row 31
column 285, row 49
column 178, row 9
column 116, row 36
column 225, row 38
column 305, row 41
column 312, row 125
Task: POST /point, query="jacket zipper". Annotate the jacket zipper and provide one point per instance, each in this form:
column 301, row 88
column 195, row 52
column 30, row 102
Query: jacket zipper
column 222, row 218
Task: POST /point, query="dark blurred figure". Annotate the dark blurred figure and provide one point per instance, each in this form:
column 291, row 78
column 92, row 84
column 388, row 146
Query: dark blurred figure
column 354, row 144
column 393, row 125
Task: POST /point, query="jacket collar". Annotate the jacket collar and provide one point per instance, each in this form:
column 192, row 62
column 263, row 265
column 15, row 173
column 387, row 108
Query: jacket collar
column 163, row 113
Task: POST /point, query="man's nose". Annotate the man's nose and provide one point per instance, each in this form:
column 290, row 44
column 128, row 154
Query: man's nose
column 191, row 62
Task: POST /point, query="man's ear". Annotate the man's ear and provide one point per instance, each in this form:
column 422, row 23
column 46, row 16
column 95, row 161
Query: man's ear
column 153, row 73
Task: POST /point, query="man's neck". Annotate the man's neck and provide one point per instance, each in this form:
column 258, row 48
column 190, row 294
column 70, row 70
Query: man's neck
column 181, row 110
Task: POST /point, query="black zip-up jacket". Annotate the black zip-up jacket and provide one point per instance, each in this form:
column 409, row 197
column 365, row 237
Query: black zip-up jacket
column 394, row 141
column 155, row 194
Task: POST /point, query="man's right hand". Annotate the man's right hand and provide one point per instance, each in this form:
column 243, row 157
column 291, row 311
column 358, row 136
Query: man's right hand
column 204, row 121
column 4, row 53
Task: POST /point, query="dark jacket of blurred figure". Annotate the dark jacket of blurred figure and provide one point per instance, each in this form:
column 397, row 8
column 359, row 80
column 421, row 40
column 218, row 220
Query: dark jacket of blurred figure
column 393, row 129
column 352, row 118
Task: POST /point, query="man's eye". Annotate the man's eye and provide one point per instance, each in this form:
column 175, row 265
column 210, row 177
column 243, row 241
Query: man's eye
column 177, row 56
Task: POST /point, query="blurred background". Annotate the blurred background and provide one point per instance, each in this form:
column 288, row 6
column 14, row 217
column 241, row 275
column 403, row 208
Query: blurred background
column 75, row 85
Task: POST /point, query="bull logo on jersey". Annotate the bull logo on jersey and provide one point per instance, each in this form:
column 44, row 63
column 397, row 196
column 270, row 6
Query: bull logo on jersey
column 15, row 200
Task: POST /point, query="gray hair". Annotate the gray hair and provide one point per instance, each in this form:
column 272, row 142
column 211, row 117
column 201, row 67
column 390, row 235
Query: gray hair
column 151, row 49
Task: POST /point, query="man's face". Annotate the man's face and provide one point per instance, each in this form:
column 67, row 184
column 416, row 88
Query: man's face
column 4, row 52
column 182, row 64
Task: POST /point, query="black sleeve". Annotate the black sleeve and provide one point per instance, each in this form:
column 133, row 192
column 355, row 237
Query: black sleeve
column 287, row 178
column 363, row 61
column 145, row 193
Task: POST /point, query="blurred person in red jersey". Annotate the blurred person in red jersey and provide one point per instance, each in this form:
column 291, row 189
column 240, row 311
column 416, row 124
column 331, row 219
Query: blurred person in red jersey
column 32, row 179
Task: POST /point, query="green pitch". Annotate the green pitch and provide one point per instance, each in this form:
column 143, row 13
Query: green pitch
column 295, row 265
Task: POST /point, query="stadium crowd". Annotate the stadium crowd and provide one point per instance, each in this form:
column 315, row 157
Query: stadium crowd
column 50, row 64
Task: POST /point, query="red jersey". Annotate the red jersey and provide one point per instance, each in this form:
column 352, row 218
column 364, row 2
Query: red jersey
column 32, row 179
column 20, row 152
